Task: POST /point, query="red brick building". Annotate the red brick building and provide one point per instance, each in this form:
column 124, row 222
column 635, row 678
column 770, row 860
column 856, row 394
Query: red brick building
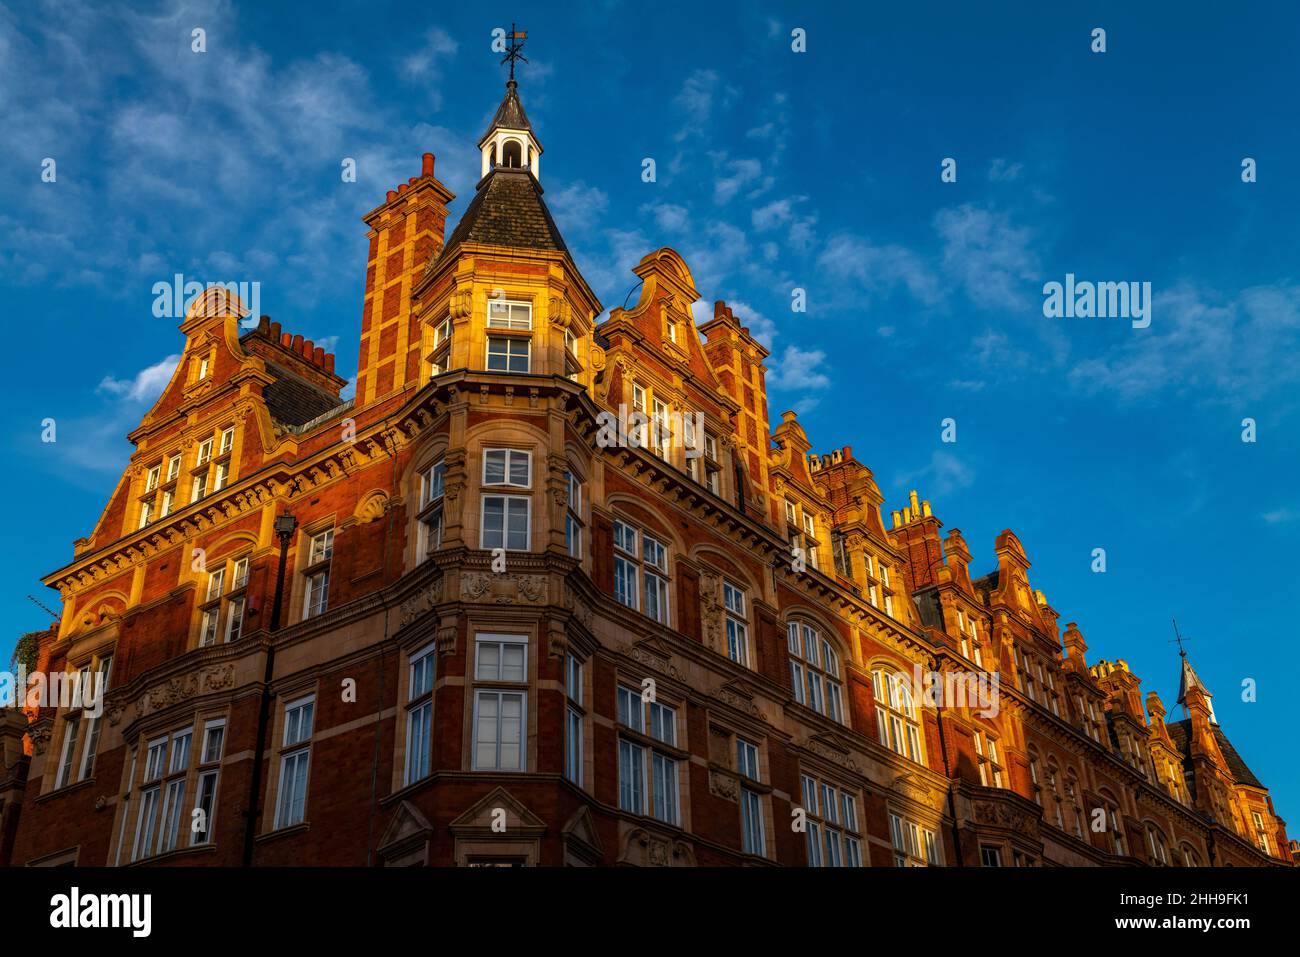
column 509, row 632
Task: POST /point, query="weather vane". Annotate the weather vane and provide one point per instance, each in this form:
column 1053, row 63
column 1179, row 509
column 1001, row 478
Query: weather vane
column 1179, row 638
column 515, row 50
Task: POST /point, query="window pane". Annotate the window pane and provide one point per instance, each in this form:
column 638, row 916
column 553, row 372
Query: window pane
column 631, row 777
column 663, row 725
column 494, row 467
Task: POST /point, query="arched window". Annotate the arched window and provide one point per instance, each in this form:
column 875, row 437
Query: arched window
column 897, row 722
column 1072, row 799
column 1189, row 856
column 512, row 154
column 641, row 571
column 1054, row 792
column 1034, row 780
column 1114, row 824
column 815, row 671
column 1156, row 845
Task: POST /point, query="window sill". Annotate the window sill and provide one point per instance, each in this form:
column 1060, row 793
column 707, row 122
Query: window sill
column 66, row 789
column 175, row 854
column 291, row 831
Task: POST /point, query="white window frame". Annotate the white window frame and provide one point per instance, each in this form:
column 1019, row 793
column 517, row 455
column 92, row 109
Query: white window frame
column 735, row 606
column 287, row 802
column 506, row 509
column 419, row 714
column 509, row 458
column 509, row 355
column 500, row 687
column 510, row 320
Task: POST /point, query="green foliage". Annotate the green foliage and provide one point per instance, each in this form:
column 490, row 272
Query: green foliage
column 26, row 651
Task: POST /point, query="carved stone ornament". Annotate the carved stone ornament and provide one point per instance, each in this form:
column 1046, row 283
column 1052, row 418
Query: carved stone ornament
column 580, row 609
column 372, row 508
column 175, row 690
column 724, row 785
column 421, row 603
column 644, row 849
column 460, row 304
column 647, row 658
column 908, row 786
column 738, row 697
column 711, row 608
column 447, row 639
column 40, row 733
column 504, row 589
column 997, row 814
column 831, row 752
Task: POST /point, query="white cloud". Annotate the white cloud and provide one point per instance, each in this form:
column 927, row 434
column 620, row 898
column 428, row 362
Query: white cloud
column 1203, row 344
column 669, row 217
column 799, row 369
column 942, row 475
column 1002, row 171
column 760, row 326
column 427, row 61
column 1281, row 516
column 878, row 269
column 577, row 207
column 989, row 256
column 738, row 174
column 146, row 385
column 701, row 92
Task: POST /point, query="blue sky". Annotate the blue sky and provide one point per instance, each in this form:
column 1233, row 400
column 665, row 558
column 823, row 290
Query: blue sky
column 776, row 170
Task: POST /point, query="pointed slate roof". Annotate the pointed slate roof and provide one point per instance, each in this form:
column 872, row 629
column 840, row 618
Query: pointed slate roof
column 508, row 210
column 1180, row 732
column 1190, row 679
column 510, row 114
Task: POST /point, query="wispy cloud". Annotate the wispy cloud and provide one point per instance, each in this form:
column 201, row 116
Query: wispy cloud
column 878, row 269
column 944, row 474
column 146, row 385
column 987, row 255
column 701, row 93
column 799, row 369
column 1202, row 343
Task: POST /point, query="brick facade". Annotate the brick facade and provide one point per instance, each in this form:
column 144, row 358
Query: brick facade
column 760, row 699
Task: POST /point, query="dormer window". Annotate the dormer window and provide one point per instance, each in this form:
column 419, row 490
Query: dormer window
column 202, row 369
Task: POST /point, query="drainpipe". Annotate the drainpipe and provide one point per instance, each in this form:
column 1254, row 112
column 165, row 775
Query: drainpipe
column 284, row 529
column 952, row 804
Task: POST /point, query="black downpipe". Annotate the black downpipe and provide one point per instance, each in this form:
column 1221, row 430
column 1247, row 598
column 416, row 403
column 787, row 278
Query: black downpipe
column 284, row 527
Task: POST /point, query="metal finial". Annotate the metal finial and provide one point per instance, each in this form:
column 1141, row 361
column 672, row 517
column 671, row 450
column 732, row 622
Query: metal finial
column 1179, row 639
column 514, row 51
